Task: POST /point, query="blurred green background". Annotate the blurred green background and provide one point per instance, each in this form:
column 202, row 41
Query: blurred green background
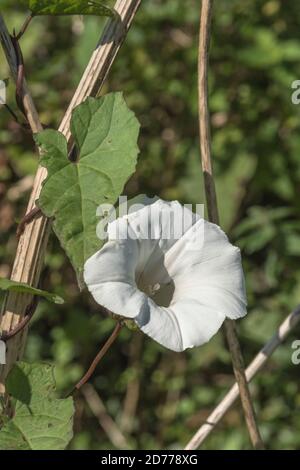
column 158, row 398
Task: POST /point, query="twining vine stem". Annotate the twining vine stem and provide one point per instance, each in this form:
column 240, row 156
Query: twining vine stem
column 24, row 27
column 212, row 207
column 30, row 311
column 33, row 241
column 99, row 356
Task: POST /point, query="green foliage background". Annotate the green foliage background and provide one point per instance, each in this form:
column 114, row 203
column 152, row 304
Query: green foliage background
column 159, row 398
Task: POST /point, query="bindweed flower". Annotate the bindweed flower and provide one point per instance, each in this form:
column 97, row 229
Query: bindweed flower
column 175, row 274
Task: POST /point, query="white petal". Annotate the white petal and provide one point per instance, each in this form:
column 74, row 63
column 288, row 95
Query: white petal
column 200, row 274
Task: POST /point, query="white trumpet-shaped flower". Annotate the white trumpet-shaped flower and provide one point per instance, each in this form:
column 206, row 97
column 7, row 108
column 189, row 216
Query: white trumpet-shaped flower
column 177, row 287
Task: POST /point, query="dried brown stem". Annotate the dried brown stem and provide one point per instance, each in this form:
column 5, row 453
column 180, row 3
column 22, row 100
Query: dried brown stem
column 255, row 366
column 32, row 244
column 109, row 426
column 211, row 199
column 30, row 311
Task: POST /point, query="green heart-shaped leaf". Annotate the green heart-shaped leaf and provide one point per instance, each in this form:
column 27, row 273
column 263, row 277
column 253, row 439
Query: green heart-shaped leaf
column 106, row 133
column 40, row 421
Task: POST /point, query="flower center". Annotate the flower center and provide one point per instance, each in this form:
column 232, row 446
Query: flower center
column 162, row 294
